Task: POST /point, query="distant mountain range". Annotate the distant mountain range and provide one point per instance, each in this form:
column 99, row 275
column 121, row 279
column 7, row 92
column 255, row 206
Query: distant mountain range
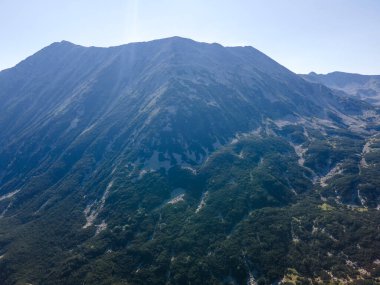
column 365, row 87
column 179, row 162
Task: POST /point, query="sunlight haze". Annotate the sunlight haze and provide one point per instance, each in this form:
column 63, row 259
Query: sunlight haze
column 321, row 36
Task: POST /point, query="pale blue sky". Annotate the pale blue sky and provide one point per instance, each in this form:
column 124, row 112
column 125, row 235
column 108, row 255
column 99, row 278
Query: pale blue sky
column 303, row 35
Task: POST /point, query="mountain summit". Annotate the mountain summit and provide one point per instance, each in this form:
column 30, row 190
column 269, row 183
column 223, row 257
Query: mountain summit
column 173, row 162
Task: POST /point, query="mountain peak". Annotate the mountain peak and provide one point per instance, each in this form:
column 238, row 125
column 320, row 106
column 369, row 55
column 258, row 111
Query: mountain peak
column 151, row 160
column 66, row 42
column 63, row 43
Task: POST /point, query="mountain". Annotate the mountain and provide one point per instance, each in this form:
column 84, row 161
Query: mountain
column 179, row 162
column 365, row 87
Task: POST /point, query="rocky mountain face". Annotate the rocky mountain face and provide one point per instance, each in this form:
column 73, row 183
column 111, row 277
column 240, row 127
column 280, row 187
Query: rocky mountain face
column 174, row 162
column 364, row 87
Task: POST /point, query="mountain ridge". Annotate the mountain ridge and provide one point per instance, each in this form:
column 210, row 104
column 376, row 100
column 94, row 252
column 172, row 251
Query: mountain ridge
column 176, row 162
column 364, row 87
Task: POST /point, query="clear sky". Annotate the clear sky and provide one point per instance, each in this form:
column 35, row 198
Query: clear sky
column 303, row 35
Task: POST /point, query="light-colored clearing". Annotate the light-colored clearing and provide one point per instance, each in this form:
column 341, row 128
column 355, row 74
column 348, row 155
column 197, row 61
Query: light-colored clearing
column 176, row 199
column 300, row 151
column 92, row 211
column 9, row 195
column 295, row 238
column 366, row 149
column 192, row 170
column 361, row 199
column 251, row 280
column 177, row 195
column 337, row 169
column 202, row 203
column 101, row 227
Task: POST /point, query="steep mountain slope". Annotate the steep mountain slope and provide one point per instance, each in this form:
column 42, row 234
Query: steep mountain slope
column 365, row 87
column 174, row 161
